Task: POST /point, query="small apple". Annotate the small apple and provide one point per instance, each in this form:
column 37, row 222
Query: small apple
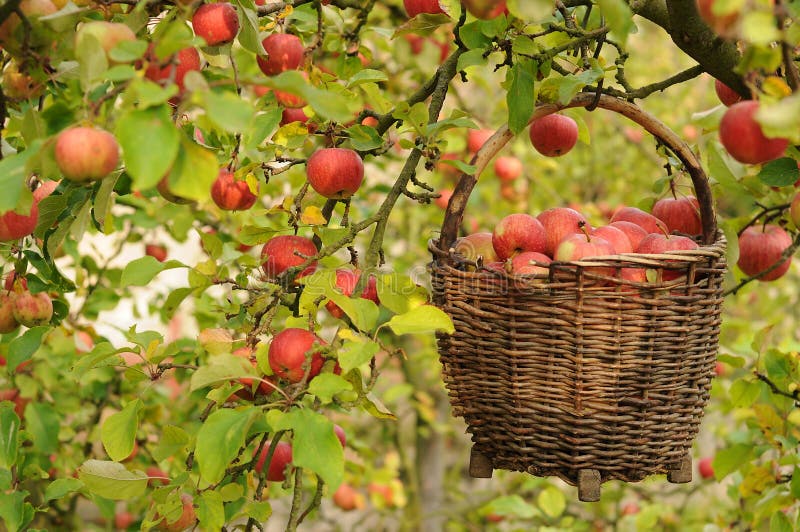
column 288, row 99
column 109, row 34
column 122, row 520
column 559, row 223
column 263, row 387
column 705, row 468
column 723, row 24
column 381, row 493
column 645, row 220
column 794, row 210
column 508, row 168
column 216, row 23
column 157, row 251
column 525, row 263
column 285, row 251
column 86, row 153
column 630, row 508
column 720, row 369
column 44, row 189
column 173, row 68
column 679, row 214
column 284, row 52
column 293, row 115
column 185, row 520
column 14, row 226
column 444, row 198
column 335, row 173
column 32, row 310
column 12, row 280
column 742, row 136
column 19, row 85
column 760, row 247
column 554, row 135
column 476, row 245
column 516, row 233
column 634, row 232
column 348, row 499
column 616, row 237
column 287, row 354
column 15, row 397
column 8, row 323
column 346, row 281
column 726, row 95
column 281, row 458
column 477, row 138
column 486, row 9
column 156, row 476
column 658, row 243
column 415, row 7
column 370, row 121
column 230, row 194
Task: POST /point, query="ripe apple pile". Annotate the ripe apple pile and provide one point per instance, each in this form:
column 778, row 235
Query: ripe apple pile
column 524, row 245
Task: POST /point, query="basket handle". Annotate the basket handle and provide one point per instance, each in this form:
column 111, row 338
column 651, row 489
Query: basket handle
column 458, row 202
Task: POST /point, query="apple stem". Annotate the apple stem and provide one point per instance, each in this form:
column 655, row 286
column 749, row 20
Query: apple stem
column 582, row 227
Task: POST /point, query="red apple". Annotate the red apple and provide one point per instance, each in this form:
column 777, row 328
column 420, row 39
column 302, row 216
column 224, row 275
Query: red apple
column 634, row 275
column 14, row 397
column 281, row 253
column 284, row 52
column 109, row 34
column 645, row 220
column 282, row 457
column 726, row 95
column 722, row 24
column 657, row 243
column 760, row 247
column 288, row 99
column 172, row 68
column 415, row 7
column 216, row 23
column 346, row 281
column 582, row 246
column 476, row 245
column 287, row 354
column 230, row 194
column 263, row 387
column 370, row 121
column 340, row 434
column 554, row 135
column 8, row 323
column 12, row 280
column 477, row 138
column 44, row 189
column 382, row 492
column 679, row 214
column 444, row 198
column 486, row 9
column 634, row 232
column 705, row 468
column 508, row 168
column 14, row 226
column 347, row 498
column 156, row 476
column 156, row 251
column 794, row 210
column 558, row 224
column 720, row 369
column 335, row 173
column 742, row 136
column 630, row 508
column 86, row 153
column 32, row 310
column 293, row 115
column 524, row 263
column 185, row 520
column 616, row 237
column 122, row 520
column 516, row 233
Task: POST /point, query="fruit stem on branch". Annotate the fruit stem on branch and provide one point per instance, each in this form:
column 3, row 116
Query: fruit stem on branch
column 297, row 500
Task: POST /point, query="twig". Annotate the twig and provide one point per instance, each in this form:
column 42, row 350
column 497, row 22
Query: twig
column 315, row 502
column 297, row 500
column 777, row 391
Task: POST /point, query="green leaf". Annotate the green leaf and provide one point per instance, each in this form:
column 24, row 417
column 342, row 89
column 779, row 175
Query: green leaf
column 210, row 511
column 228, row 111
column 173, row 440
column 421, row 320
column 194, row 171
column 261, row 127
column 128, row 51
column 364, row 138
column 224, row 368
column 743, row 393
column 362, row 312
column 12, row 177
column 366, row 76
column 399, row 293
column 248, row 33
column 779, row 522
column 470, row 58
column 42, row 422
column 15, row 511
column 112, row 480
column 552, row 502
column 314, row 445
column 119, row 431
column 9, row 435
column 142, row 270
column 730, row 459
column 326, row 385
column 23, row 347
column 150, row 143
column 618, row 17
column 325, row 102
column 794, row 485
column 92, row 59
column 422, row 24
column 220, row 439
column 782, row 118
column 511, row 505
column 780, row 172
column 60, row 487
column 356, row 352
column 520, row 96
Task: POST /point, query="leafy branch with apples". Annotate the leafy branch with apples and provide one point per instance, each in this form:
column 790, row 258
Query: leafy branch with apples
column 217, row 309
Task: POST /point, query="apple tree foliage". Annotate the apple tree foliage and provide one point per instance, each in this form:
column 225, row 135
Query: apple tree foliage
column 104, row 419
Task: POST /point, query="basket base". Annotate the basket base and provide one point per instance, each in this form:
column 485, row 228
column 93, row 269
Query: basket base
column 480, row 465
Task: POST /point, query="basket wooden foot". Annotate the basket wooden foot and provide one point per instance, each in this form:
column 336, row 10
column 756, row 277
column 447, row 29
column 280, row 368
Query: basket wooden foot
column 684, row 473
column 589, row 485
column 480, row 466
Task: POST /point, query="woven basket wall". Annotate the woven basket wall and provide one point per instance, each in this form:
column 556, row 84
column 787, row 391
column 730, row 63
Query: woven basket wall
column 578, row 373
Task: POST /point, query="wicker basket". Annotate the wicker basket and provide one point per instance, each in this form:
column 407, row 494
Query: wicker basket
column 577, row 374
